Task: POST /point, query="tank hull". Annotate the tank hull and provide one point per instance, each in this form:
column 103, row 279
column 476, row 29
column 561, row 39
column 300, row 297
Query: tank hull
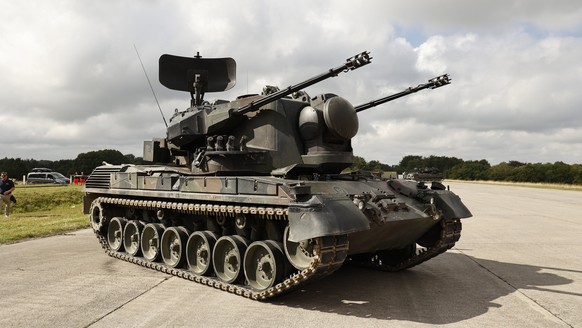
column 167, row 219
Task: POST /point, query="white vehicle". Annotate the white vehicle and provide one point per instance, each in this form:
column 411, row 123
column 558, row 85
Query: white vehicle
column 47, row 177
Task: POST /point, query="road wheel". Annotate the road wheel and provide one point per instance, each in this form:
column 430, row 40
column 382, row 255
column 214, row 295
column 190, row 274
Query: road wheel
column 299, row 254
column 227, row 258
column 199, row 252
column 150, row 241
column 173, row 246
column 264, row 264
column 115, row 233
column 132, row 236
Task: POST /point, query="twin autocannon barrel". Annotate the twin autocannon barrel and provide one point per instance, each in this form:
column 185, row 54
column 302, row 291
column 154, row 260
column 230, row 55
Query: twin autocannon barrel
column 352, row 63
column 434, row 83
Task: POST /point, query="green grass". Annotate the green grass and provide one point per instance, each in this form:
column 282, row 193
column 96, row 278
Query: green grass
column 43, row 211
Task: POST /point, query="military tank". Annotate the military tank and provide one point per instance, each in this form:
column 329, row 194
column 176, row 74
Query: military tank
column 250, row 196
column 427, row 174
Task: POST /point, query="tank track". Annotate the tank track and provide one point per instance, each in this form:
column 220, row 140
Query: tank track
column 329, row 256
column 450, row 233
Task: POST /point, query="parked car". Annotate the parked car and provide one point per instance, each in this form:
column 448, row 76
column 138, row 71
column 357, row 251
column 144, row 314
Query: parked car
column 41, row 169
column 47, row 177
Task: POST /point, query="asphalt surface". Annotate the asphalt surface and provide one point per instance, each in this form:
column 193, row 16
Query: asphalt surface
column 518, row 264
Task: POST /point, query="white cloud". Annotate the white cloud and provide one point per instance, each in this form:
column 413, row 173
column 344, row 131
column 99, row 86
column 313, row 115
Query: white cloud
column 71, row 81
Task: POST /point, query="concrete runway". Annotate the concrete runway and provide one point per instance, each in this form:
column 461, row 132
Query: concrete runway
column 518, row 264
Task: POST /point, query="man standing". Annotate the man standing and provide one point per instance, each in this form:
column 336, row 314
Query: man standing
column 6, row 189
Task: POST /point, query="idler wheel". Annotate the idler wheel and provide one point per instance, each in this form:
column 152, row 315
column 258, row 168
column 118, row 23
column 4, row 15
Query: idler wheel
column 132, row 236
column 264, row 264
column 173, row 246
column 97, row 216
column 150, row 241
column 227, row 258
column 199, row 252
column 115, row 233
column 299, row 254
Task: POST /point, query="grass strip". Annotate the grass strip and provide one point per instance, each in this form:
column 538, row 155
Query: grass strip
column 43, row 211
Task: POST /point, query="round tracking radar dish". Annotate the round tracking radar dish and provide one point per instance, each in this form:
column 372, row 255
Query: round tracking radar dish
column 340, row 117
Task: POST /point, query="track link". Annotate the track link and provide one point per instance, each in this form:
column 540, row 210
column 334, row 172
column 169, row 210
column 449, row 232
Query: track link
column 450, row 233
column 330, row 252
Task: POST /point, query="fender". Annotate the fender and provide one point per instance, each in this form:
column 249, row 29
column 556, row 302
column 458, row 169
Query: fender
column 325, row 215
column 451, row 205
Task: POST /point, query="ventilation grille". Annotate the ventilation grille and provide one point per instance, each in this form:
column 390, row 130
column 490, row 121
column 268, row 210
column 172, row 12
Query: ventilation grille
column 101, row 177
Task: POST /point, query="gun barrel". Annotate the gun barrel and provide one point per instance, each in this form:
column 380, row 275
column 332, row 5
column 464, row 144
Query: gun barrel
column 351, row 64
column 433, row 83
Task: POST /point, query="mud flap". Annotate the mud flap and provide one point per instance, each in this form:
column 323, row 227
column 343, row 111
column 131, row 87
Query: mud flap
column 451, row 205
column 325, row 215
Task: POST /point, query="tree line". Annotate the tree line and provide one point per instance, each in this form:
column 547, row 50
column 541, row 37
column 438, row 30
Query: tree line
column 450, row 167
column 455, row 168
column 83, row 164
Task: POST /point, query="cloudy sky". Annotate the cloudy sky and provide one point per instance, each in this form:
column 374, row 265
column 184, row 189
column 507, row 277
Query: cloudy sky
column 71, row 82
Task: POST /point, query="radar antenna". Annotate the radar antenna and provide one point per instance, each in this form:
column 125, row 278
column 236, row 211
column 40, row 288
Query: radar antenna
column 152, row 88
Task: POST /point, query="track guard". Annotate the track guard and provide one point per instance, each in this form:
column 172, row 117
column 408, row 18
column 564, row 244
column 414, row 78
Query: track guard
column 451, row 205
column 324, row 215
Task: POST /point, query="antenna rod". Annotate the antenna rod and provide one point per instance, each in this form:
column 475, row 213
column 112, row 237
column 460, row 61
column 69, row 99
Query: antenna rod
column 152, row 88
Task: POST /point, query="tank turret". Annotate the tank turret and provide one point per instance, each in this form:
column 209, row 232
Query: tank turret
column 278, row 132
column 257, row 134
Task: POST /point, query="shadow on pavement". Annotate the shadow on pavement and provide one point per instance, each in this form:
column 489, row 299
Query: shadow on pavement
column 451, row 288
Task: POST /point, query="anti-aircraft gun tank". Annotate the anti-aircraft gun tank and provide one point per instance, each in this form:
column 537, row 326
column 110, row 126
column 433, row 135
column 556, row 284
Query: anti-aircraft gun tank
column 251, row 197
